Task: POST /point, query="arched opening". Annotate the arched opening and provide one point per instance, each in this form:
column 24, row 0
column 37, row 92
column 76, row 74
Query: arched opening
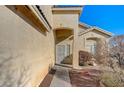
column 64, row 45
column 91, row 44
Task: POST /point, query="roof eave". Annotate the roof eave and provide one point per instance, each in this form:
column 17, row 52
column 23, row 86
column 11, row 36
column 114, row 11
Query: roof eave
column 67, row 10
column 83, row 24
column 103, row 31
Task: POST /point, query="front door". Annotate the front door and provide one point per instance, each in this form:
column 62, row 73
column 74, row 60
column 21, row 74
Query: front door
column 62, row 51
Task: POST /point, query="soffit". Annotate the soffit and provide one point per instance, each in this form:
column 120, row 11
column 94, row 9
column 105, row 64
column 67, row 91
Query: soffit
column 70, row 10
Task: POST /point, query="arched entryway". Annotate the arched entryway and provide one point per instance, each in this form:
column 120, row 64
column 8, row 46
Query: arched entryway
column 64, row 46
column 91, row 43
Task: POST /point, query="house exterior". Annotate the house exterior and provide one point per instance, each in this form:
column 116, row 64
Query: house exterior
column 35, row 38
column 88, row 38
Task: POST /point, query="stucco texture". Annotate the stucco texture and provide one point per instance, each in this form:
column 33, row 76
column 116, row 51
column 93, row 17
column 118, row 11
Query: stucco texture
column 26, row 54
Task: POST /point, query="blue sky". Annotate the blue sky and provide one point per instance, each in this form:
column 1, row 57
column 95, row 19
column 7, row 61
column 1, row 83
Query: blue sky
column 107, row 17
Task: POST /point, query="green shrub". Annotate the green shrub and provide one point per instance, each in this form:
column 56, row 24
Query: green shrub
column 112, row 79
column 67, row 60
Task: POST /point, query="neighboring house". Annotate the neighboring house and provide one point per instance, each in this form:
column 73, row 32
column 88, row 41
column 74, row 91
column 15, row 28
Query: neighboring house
column 89, row 37
column 34, row 38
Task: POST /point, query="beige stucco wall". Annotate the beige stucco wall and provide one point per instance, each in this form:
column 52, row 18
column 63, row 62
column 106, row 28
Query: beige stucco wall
column 65, row 20
column 26, row 55
column 82, row 29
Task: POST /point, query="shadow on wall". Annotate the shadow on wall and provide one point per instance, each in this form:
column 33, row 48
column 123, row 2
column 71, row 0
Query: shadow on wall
column 12, row 76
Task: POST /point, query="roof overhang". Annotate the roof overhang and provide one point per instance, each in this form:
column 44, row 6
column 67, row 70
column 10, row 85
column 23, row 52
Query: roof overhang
column 103, row 31
column 97, row 29
column 31, row 15
column 67, row 10
column 83, row 25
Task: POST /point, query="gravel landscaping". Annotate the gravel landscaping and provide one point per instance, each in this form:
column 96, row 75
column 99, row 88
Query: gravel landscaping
column 85, row 78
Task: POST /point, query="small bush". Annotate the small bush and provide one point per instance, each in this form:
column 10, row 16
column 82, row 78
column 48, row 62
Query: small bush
column 84, row 58
column 67, row 60
column 112, row 79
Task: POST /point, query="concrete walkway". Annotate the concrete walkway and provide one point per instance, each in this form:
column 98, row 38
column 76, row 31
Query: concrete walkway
column 61, row 77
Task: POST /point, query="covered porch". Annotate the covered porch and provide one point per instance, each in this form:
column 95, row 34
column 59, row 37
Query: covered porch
column 65, row 26
column 64, row 46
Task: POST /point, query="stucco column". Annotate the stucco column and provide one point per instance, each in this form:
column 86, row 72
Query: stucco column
column 84, row 43
column 75, row 50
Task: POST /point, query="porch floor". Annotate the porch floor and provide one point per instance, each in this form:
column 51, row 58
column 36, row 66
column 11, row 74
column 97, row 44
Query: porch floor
column 61, row 77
